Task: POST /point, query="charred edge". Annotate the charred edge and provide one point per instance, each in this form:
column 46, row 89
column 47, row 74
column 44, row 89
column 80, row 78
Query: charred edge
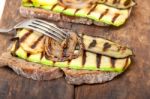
column 83, row 58
column 92, row 44
column 98, row 60
column 106, row 46
column 114, row 1
column 126, row 63
column 115, row 17
column 127, row 2
column 104, row 13
column 25, row 36
column 53, row 6
column 112, row 61
column 36, row 42
column 92, row 9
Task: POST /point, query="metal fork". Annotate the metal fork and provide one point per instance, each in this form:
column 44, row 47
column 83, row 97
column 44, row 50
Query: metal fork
column 41, row 26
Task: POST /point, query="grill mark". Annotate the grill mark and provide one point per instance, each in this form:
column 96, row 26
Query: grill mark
column 76, row 11
column 14, row 39
column 54, row 63
column 82, row 38
column 127, row 2
column 29, row 1
column 115, row 17
column 103, row 14
column 106, row 46
column 119, row 48
column 126, row 63
column 53, row 6
column 36, row 42
column 69, row 61
column 98, row 60
column 28, row 55
column 112, row 61
column 106, row 1
column 25, row 36
column 65, row 8
column 118, row 1
column 84, row 57
column 42, row 55
column 114, row 1
column 92, row 44
column 92, row 9
column 46, row 56
column 17, row 45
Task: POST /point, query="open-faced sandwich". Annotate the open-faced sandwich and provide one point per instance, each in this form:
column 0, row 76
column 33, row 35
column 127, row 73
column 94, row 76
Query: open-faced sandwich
column 98, row 12
column 82, row 58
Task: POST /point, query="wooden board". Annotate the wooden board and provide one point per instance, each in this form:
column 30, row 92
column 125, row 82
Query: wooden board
column 13, row 86
column 133, row 84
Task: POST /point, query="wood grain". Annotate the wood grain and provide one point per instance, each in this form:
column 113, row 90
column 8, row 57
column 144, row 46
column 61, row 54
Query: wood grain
column 13, row 86
column 133, row 84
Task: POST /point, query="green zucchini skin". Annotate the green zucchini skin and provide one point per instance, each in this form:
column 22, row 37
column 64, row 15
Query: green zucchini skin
column 98, row 12
column 86, row 61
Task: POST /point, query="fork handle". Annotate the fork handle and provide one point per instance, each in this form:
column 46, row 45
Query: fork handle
column 4, row 31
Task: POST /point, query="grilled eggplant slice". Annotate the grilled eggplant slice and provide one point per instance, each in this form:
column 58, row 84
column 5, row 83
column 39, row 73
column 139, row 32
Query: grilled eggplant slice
column 97, row 12
column 86, row 60
column 105, row 47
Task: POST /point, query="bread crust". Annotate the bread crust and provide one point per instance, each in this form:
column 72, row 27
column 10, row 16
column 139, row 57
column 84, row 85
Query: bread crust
column 78, row 77
column 40, row 72
column 29, row 69
column 49, row 15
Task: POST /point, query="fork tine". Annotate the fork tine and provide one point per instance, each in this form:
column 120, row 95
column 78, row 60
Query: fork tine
column 44, row 27
column 52, row 25
column 36, row 28
column 49, row 29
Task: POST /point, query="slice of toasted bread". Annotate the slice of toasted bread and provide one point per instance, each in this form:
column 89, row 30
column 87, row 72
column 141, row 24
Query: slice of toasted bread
column 78, row 77
column 49, row 15
column 29, row 69
column 40, row 72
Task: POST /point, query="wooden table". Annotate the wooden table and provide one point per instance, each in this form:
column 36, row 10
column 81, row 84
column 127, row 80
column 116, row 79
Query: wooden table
column 133, row 84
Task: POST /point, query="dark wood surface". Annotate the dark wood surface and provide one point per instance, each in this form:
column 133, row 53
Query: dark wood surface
column 133, row 84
